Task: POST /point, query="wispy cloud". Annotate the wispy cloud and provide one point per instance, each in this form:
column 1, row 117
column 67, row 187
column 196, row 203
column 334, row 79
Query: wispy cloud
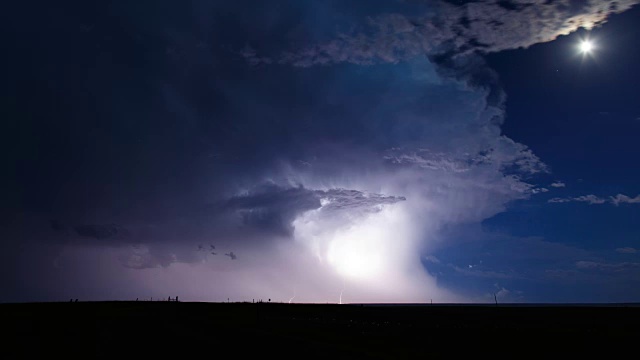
column 597, row 272
column 596, row 200
column 491, row 274
column 607, row 267
column 590, row 199
column 539, row 190
column 558, row 184
column 627, row 250
column 558, row 200
column 432, row 259
column 624, row 199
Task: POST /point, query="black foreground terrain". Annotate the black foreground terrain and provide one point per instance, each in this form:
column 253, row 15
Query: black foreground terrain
column 154, row 330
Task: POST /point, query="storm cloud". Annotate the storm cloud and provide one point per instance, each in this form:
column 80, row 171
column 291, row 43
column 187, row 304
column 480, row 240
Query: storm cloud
column 329, row 183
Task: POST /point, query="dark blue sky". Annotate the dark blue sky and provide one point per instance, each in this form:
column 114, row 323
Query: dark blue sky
column 398, row 151
column 581, row 115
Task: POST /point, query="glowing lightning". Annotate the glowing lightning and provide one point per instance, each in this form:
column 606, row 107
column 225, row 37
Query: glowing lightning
column 293, row 297
column 341, row 291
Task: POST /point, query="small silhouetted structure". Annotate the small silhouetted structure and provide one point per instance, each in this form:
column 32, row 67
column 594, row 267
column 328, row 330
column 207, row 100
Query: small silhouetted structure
column 495, row 297
column 70, row 300
column 177, row 299
column 76, row 300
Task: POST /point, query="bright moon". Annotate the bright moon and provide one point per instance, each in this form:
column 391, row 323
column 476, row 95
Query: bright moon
column 586, row 46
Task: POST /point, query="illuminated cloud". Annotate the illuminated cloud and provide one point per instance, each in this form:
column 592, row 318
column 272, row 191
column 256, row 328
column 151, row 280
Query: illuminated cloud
column 444, row 27
column 273, row 207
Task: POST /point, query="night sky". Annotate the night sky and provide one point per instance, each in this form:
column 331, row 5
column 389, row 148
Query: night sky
column 326, row 151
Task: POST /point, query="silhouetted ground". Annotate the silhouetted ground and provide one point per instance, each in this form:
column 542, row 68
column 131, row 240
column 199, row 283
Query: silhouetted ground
column 153, row 330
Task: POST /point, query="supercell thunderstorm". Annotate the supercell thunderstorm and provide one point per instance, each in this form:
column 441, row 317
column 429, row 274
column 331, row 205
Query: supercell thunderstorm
column 324, row 166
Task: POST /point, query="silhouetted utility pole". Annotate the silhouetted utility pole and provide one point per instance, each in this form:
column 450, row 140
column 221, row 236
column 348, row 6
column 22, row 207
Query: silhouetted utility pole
column 495, row 297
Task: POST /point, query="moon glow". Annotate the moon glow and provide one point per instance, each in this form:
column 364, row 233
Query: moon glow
column 586, row 46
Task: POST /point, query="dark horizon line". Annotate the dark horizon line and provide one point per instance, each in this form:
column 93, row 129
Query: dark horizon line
column 426, row 304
